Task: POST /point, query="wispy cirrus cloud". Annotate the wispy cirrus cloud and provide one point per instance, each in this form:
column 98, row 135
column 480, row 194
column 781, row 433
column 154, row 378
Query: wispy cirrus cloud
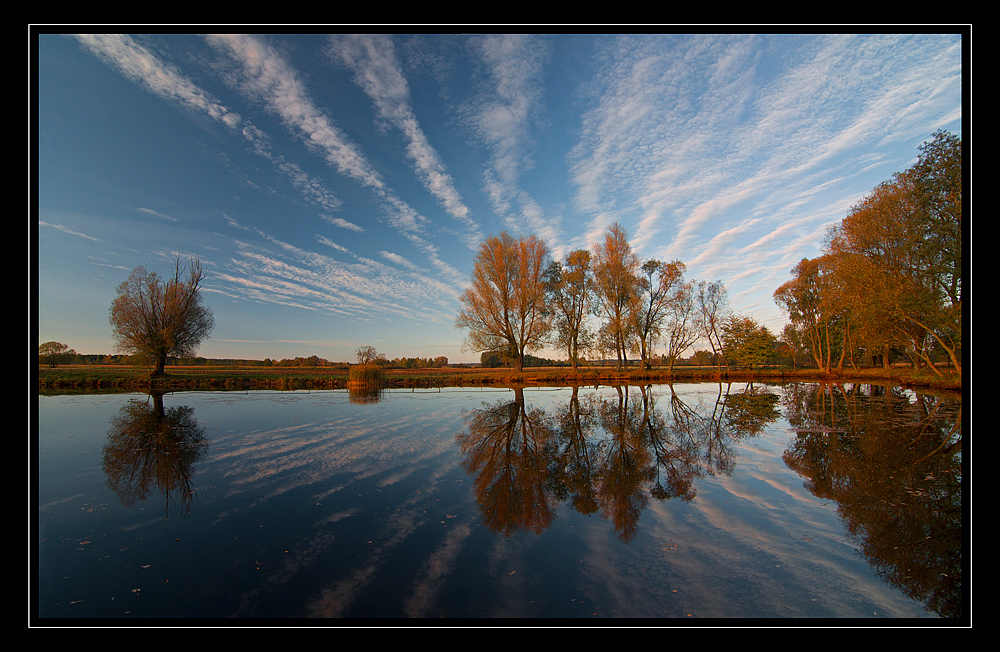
column 266, row 76
column 64, row 229
column 691, row 140
column 144, row 67
column 372, row 59
column 503, row 116
column 308, row 280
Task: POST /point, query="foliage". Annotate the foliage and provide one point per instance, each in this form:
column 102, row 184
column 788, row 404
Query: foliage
column 569, row 287
column 747, row 342
column 504, row 307
column 891, row 276
column 53, row 353
column 616, row 289
column 152, row 318
column 640, row 305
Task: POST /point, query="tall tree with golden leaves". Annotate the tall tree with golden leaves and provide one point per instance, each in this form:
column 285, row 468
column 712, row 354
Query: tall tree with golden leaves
column 504, row 308
column 617, row 287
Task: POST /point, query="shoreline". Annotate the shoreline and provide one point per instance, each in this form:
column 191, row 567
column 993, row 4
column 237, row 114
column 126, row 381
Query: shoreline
column 126, row 379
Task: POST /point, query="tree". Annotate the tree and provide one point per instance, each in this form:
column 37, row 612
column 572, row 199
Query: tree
column 712, row 302
column 504, row 307
column 53, row 353
column 616, row 287
column 937, row 197
column 899, row 253
column 367, row 354
column 682, row 326
column 746, row 342
column 791, row 337
column 569, row 295
column 152, row 318
column 657, row 287
column 891, row 277
column 802, row 299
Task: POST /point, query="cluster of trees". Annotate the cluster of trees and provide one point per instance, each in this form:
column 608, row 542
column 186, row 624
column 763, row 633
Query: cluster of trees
column 890, row 279
column 55, row 353
column 368, row 355
column 606, row 302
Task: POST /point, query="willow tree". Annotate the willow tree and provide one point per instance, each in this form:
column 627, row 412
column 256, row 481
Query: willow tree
column 616, row 287
column 153, row 318
column 504, row 308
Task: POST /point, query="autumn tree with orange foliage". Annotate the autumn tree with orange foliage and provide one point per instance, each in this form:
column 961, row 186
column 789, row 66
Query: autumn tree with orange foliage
column 504, row 309
column 891, row 277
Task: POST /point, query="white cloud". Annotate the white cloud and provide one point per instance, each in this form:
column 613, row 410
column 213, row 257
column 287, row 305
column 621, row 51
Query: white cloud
column 372, row 59
column 503, row 116
column 142, row 66
column 266, row 76
column 62, row 228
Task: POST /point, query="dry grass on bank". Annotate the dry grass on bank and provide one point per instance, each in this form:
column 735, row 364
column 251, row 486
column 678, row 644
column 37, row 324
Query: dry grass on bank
column 122, row 378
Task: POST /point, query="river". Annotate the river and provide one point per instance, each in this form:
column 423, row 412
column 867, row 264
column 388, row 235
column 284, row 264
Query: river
column 644, row 504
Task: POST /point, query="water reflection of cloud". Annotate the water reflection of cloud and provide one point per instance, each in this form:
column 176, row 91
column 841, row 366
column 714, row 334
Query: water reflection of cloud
column 434, row 571
column 335, row 599
column 286, row 459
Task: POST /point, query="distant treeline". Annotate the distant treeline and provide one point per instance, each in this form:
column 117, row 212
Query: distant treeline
column 68, row 356
column 698, row 358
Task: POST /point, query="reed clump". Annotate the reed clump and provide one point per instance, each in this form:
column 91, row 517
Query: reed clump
column 365, row 376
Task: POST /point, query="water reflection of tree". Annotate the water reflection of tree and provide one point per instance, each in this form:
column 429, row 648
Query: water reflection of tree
column 892, row 462
column 506, row 451
column 150, row 447
column 624, row 468
column 601, row 455
column 365, row 395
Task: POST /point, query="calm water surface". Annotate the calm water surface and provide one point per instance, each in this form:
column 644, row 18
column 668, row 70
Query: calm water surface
column 690, row 501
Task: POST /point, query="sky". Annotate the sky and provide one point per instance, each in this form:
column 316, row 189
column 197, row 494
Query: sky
column 336, row 187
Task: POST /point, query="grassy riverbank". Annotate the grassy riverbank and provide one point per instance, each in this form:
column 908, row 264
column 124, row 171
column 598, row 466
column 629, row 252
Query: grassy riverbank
column 123, row 378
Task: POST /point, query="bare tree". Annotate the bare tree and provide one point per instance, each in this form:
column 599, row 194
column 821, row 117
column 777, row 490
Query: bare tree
column 367, row 354
column 657, row 285
column 504, row 308
column 713, row 306
column 152, row 318
column 682, row 323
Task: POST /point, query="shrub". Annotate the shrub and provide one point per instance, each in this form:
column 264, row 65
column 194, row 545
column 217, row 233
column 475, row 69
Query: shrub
column 365, row 375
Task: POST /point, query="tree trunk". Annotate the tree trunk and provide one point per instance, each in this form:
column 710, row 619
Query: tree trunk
column 161, row 362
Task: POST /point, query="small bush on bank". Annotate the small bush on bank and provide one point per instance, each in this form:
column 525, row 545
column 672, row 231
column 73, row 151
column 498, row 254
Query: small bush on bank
column 365, row 375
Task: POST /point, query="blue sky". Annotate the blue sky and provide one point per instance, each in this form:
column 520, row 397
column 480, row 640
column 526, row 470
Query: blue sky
column 336, row 187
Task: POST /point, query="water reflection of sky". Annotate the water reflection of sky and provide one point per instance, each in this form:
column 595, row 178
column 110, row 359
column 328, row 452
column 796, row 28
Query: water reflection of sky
column 309, row 504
